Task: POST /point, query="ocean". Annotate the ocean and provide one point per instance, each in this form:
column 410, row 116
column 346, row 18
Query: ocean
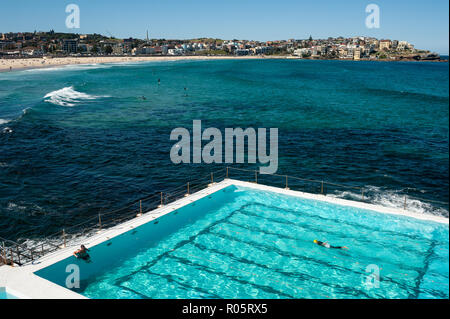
column 79, row 140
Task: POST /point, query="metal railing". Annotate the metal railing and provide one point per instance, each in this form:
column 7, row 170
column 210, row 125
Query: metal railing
column 14, row 253
column 360, row 193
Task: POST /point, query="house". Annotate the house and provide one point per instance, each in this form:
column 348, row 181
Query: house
column 385, row 44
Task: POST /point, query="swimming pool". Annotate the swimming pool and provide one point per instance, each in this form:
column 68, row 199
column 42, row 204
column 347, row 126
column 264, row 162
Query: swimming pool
column 242, row 242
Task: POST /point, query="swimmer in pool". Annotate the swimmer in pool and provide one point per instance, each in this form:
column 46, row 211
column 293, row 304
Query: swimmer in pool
column 327, row 245
column 82, row 253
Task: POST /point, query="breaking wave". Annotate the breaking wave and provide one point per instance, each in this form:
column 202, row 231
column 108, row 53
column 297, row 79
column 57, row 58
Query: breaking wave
column 69, row 67
column 5, row 130
column 68, row 97
column 394, row 199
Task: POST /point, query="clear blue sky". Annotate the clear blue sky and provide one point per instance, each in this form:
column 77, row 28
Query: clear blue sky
column 424, row 23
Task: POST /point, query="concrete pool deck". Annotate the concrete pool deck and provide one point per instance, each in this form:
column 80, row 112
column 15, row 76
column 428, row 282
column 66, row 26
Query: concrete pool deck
column 23, row 283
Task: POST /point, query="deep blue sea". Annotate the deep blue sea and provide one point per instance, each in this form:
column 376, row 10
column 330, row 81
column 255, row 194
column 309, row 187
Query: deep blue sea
column 78, row 140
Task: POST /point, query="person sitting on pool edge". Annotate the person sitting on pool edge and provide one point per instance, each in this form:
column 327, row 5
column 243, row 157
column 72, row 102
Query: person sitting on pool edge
column 82, row 253
column 327, row 245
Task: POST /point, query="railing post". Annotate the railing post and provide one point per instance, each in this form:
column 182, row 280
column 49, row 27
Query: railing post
column 11, row 257
column 100, row 221
column 4, row 253
column 187, row 188
column 212, row 178
column 362, row 194
column 227, row 171
column 404, row 205
column 256, row 176
column 18, row 254
column 140, row 207
column 321, row 188
column 287, row 187
column 64, row 237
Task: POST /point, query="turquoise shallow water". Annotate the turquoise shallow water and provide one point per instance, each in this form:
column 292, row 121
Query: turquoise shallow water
column 254, row 244
column 76, row 141
column 5, row 295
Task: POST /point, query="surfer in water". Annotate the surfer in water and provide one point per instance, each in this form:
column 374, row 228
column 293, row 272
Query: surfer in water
column 82, row 253
column 327, row 245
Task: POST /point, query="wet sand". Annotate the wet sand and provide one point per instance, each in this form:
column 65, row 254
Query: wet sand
column 31, row 63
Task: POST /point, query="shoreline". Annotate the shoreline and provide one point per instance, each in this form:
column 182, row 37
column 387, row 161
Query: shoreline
column 44, row 63
column 7, row 65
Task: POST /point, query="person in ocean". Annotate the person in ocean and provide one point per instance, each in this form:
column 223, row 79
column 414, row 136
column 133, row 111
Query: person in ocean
column 82, row 253
column 327, row 245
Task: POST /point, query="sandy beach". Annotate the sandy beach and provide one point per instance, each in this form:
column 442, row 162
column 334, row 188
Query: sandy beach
column 21, row 64
column 46, row 62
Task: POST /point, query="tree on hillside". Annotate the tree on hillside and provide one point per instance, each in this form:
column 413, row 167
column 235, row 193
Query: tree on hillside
column 108, row 49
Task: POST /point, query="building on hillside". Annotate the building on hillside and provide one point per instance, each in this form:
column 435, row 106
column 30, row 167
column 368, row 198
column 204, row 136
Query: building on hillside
column 385, row 44
column 70, row 46
column 302, row 51
column 242, row 52
column 404, row 45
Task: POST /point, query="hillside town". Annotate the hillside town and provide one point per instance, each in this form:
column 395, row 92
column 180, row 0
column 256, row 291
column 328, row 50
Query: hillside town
column 54, row 44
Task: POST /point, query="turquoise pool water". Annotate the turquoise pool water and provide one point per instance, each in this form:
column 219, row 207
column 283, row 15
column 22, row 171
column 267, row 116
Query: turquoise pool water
column 5, row 295
column 245, row 243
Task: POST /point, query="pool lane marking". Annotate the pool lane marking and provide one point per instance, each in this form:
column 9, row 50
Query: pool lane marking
column 236, row 278
column 285, row 254
column 305, row 228
column 257, row 229
column 370, row 230
column 183, row 285
column 340, row 258
column 315, row 216
column 179, row 245
column 279, row 271
column 390, row 279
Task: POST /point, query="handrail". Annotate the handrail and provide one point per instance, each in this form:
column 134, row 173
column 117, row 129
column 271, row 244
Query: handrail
column 12, row 253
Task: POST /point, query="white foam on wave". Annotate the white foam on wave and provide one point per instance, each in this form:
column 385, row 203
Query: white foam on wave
column 395, row 199
column 139, row 63
column 68, row 97
column 5, row 130
column 69, row 67
column 3, row 121
column 15, row 207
